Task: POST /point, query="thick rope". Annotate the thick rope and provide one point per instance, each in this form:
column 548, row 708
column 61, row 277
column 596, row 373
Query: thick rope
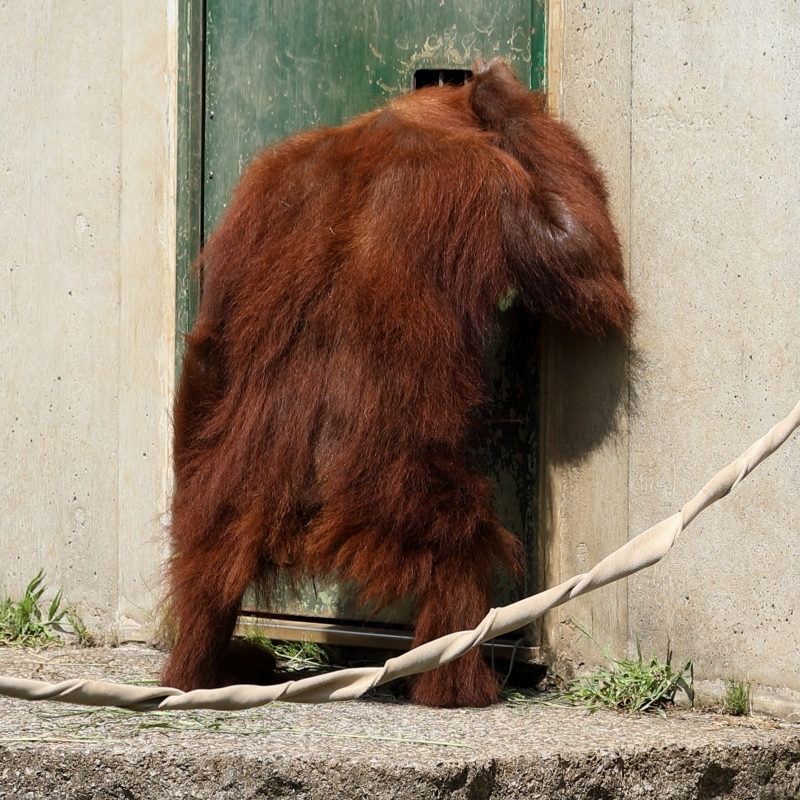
column 643, row 551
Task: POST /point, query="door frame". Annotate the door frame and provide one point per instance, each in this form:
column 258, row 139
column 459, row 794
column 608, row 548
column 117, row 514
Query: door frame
column 189, row 238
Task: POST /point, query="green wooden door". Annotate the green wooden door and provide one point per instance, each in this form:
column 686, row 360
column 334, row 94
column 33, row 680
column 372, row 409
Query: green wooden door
column 272, row 67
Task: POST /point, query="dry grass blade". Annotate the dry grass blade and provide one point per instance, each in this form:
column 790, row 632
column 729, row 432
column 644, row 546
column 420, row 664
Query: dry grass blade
column 70, row 725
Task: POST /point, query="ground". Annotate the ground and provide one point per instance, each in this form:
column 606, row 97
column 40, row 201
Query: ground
column 378, row 748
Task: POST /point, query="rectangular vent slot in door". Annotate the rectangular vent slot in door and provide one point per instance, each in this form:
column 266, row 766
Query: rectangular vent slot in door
column 440, row 77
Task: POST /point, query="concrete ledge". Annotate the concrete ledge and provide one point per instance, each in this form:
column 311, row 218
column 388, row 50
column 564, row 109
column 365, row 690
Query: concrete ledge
column 373, row 749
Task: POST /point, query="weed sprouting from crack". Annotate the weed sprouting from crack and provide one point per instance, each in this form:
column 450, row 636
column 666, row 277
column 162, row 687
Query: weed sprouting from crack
column 737, row 702
column 631, row 684
column 22, row 622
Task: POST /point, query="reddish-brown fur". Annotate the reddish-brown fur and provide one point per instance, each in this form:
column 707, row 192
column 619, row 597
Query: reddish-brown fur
column 338, row 359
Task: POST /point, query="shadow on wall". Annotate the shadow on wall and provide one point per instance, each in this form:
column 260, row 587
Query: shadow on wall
column 590, row 391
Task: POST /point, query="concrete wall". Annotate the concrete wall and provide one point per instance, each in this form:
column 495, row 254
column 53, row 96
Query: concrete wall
column 584, row 421
column 87, row 280
column 694, row 110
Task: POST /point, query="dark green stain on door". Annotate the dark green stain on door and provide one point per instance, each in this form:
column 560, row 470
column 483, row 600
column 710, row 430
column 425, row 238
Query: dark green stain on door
column 273, row 67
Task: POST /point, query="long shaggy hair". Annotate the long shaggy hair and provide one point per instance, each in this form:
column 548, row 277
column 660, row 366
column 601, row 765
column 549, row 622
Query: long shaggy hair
column 338, row 360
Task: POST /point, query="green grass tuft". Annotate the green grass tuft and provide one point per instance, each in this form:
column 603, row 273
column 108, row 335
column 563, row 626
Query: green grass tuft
column 631, row 684
column 23, row 623
column 85, row 637
column 737, row 701
column 260, row 639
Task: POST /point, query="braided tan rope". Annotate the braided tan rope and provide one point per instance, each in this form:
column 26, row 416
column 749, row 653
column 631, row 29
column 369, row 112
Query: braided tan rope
column 643, row 551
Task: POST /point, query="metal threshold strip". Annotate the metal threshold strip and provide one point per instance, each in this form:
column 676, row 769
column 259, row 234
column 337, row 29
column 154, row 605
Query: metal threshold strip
column 373, row 638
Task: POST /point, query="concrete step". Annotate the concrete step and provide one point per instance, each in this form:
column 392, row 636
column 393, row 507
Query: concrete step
column 376, row 748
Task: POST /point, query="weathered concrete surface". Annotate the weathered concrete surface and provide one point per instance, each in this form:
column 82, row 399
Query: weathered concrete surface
column 373, row 749
column 87, row 277
column 585, row 382
column 715, row 268
column 693, row 111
